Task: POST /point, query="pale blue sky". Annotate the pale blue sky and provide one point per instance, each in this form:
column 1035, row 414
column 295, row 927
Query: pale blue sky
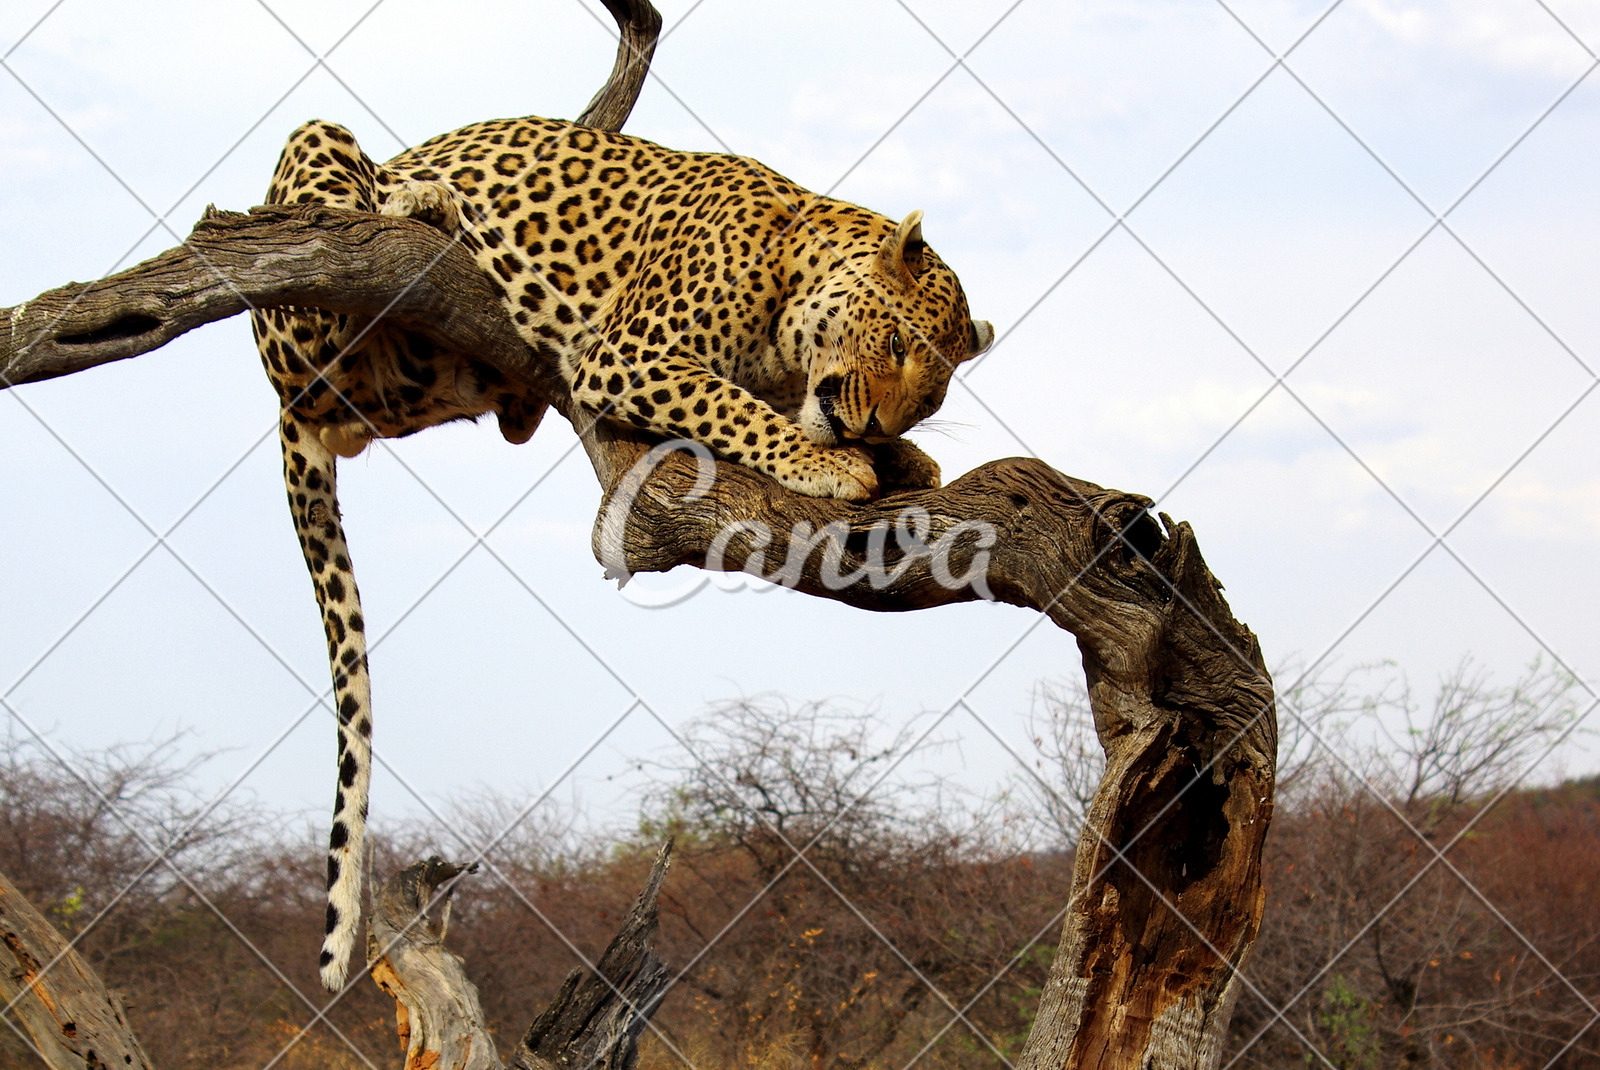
column 1128, row 370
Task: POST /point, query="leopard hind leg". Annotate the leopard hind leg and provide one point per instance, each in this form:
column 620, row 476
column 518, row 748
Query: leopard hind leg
column 306, row 353
column 436, row 204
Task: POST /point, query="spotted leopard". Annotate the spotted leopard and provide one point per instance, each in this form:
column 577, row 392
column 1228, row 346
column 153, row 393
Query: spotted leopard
column 692, row 295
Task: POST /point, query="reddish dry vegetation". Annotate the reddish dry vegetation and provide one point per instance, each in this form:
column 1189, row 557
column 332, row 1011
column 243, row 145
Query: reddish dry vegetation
column 905, row 909
column 1487, row 959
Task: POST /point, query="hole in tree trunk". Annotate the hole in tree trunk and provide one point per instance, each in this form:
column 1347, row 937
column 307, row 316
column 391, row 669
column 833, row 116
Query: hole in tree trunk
column 1143, row 536
column 1186, row 843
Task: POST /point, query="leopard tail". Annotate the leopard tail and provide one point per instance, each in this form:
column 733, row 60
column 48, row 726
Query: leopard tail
column 309, row 472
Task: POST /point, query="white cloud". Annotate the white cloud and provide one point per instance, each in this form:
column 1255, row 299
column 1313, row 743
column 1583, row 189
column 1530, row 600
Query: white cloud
column 1543, row 512
column 1513, row 36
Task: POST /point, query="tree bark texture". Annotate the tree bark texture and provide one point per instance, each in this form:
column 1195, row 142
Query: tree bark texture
column 1167, row 895
column 638, row 25
column 596, row 1019
column 72, row 1020
column 437, row 1012
column 307, row 256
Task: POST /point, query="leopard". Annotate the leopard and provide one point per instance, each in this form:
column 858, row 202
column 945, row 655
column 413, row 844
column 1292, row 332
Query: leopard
column 689, row 295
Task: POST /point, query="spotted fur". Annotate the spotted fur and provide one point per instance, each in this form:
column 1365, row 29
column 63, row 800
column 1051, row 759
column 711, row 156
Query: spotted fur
column 698, row 296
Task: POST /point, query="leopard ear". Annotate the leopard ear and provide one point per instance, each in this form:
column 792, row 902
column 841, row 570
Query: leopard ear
column 900, row 256
column 980, row 336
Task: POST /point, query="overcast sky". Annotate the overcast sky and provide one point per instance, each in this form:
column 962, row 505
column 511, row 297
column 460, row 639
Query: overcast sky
column 1280, row 220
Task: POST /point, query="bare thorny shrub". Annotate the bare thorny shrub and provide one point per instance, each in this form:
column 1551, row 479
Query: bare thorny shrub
column 822, row 892
column 77, row 831
column 871, row 896
column 1379, row 950
column 125, row 852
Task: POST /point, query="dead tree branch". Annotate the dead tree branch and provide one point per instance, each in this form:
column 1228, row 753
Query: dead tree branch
column 307, row 256
column 72, row 1020
column 437, row 1012
column 638, row 25
column 310, row 257
column 1167, row 893
column 594, row 1021
column 596, row 1018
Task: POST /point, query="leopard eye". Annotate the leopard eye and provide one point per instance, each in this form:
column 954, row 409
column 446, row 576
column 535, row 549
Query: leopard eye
column 897, row 348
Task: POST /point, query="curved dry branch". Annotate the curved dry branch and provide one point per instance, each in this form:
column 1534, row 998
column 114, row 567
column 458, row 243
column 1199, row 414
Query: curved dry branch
column 638, row 25
column 1167, row 893
column 310, row 256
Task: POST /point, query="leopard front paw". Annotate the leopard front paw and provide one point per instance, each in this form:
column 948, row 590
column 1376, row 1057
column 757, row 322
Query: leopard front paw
column 433, row 203
column 856, row 479
column 833, row 473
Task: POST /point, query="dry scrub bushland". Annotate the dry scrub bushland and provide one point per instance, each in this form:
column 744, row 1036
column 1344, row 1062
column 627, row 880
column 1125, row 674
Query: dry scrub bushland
column 1373, row 951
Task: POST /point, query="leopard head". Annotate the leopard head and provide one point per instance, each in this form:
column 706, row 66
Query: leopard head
column 885, row 331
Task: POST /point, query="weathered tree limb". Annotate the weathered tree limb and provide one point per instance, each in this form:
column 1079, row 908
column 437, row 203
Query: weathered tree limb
column 594, row 1021
column 437, row 1011
column 1167, row 893
column 72, row 1019
column 638, row 23
column 309, row 255
column 312, row 257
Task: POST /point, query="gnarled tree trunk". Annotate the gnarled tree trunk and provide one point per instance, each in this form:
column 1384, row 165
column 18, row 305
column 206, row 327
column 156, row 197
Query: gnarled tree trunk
column 593, row 1022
